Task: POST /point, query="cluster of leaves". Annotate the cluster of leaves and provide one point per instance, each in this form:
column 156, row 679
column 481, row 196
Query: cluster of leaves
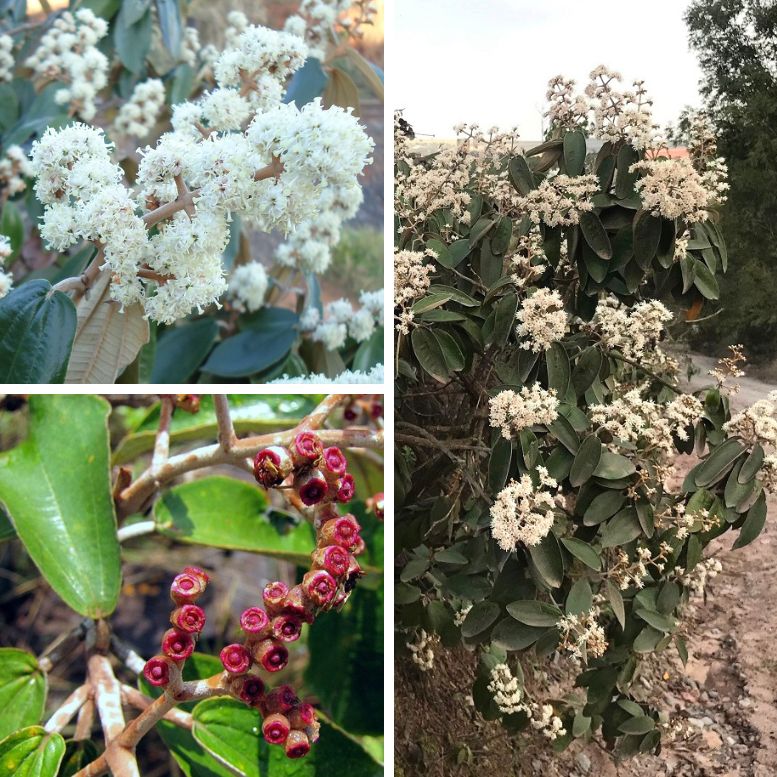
column 735, row 44
column 41, row 331
column 462, row 350
column 56, row 489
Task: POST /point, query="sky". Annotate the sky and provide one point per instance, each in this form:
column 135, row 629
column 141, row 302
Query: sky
column 489, row 61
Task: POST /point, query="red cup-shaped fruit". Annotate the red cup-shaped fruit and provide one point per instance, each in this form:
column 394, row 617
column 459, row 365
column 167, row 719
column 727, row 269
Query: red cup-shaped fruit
column 276, row 728
column 297, row 603
column 274, row 595
column 319, row 586
column 376, row 411
column 235, row 658
column 157, row 670
column 187, row 587
column 358, row 546
column 311, row 487
column 351, row 413
column 376, row 504
column 333, row 559
column 271, row 654
column 189, row 618
column 280, row 699
column 178, row 645
column 197, row 572
column 254, row 620
column 341, row 531
column 297, row 744
column 333, row 463
column 345, row 489
column 302, row 716
column 249, row 688
column 189, row 403
column 306, row 448
column 286, row 628
column 272, row 466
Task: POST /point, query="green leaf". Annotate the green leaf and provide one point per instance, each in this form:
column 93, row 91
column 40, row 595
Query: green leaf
column 586, row 461
column 132, row 35
column 227, row 729
column 613, row 466
column 754, row 523
column 181, row 350
column 181, row 86
column 170, row 24
column 655, row 619
column 454, row 358
column 580, row 598
column 520, row 175
column 12, row 226
column 586, row 370
column 195, row 513
column 647, row 234
column 621, row 529
column 558, row 369
column 37, row 328
column 615, row 598
column 718, row 463
column 638, row 725
column 548, row 560
column 56, row 489
column 596, row 235
column 647, row 639
column 31, row 752
column 574, row 152
column 705, row 281
column 22, row 690
column 513, row 635
column 624, row 182
column 603, row 506
column 504, row 319
column 265, row 339
column 454, row 294
column 42, row 113
column 370, row 352
column 428, row 351
column 583, row 551
column 479, row 618
column 534, row 613
column 751, row 465
column 499, row 464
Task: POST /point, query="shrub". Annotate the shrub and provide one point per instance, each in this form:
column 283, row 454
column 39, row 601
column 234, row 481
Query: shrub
column 539, row 418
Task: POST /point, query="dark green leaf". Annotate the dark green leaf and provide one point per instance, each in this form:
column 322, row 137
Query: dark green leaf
column 574, row 152
column 613, row 466
column 596, row 235
column 586, row 461
column 181, row 350
column 31, row 752
column 534, row 613
column 480, row 617
column 132, row 35
column 604, row 506
column 170, row 24
column 647, row 234
column 548, row 560
column 754, row 523
column 499, row 464
column 583, row 551
column 428, row 351
column 558, row 369
column 580, row 598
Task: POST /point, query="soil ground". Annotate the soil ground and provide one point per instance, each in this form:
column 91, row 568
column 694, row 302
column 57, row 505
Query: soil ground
column 725, row 698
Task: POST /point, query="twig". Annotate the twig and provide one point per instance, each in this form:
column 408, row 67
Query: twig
column 162, row 443
column 68, row 709
column 326, row 407
column 85, row 720
column 127, row 655
column 140, row 701
column 133, row 530
column 227, row 436
column 63, row 645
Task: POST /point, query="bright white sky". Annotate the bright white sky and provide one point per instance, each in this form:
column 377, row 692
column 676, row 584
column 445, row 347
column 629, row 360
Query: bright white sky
column 488, row 61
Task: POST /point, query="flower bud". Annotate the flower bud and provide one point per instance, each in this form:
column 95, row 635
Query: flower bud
column 274, row 595
column 341, row 531
column 302, row 716
column 200, row 573
column 189, row 403
column 311, row 487
column 235, row 658
column 187, row 588
column 157, row 670
column 376, row 411
column 249, row 688
column 281, row 699
column 375, row 503
column 333, row 463
column 345, row 489
column 297, row 744
column 189, row 618
column 286, row 628
column 332, row 558
column 306, row 448
column 275, row 728
column 297, row 603
column 272, row 466
column 271, row 654
column 358, row 546
column 254, row 620
column 319, row 586
column 351, row 412
column 178, row 645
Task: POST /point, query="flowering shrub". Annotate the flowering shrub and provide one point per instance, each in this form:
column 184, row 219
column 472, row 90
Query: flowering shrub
column 539, row 417
column 313, row 517
column 148, row 257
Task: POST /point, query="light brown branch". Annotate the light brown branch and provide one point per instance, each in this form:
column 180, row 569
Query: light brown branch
column 227, row 436
column 162, row 443
column 140, row 701
column 325, row 408
column 62, row 716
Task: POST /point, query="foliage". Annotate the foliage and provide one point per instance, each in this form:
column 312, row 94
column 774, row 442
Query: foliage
column 528, row 294
column 77, row 498
column 735, row 43
column 261, row 327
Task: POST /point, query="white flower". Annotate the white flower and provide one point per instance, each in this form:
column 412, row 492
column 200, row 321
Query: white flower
column 248, row 286
column 332, row 334
column 560, row 199
column 225, row 109
column 523, row 513
column 513, row 411
column 632, row 331
column 373, row 376
column 411, row 281
column 140, row 113
column 6, row 58
column 506, row 690
column 543, row 320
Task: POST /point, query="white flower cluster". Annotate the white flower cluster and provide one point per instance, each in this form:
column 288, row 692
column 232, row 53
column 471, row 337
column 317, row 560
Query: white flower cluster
column 703, row 150
column 627, row 573
column 14, row 167
column 560, row 199
column 248, row 286
column 375, row 375
column 582, row 635
column 543, row 320
column 341, row 321
column 757, row 423
column 632, row 331
column 317, row 19
column 506, row 690
column 422, row 650
column 544, row 719
column 523, row 513
column 6, row 58
column 68, row 52
column 6, row 279
column 513, row 411
column 411, row 281
column 696, row 579
column 529, row 260
column 673, row 189
column 565, row 108
column 309, row 245
column 273, row 175
column 461, row 615
column 190, row 46
column 140, row 113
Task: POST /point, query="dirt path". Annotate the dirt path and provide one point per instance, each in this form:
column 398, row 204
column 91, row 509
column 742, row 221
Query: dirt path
column 725, row 699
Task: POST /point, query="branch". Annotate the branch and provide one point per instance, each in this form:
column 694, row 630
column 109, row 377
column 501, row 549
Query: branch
column 68, row 709
column 162, row 443
column 325, row 408
column 127, row 655
column 138, row 529
column 140, row 701
column 227, row 437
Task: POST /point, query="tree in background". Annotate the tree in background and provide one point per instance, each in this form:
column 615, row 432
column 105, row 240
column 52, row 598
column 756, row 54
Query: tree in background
column 736, row 41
